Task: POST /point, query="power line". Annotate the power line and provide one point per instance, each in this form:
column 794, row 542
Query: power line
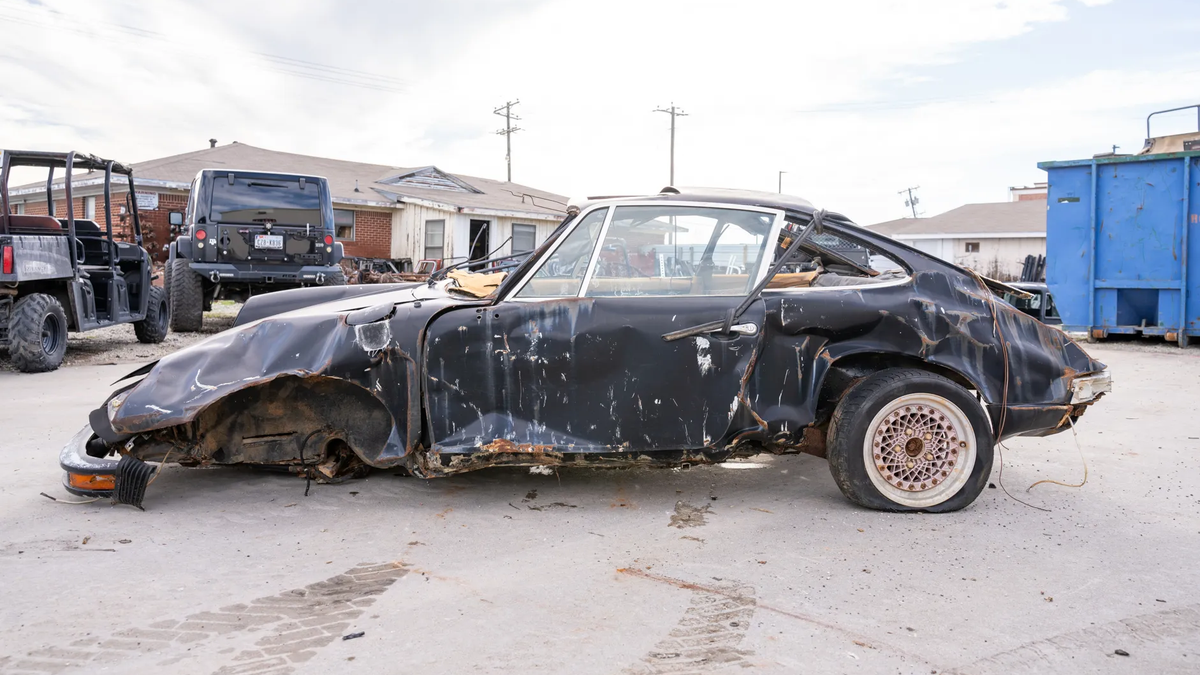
column 673, row 112
column 912, row 200
column 508, row 131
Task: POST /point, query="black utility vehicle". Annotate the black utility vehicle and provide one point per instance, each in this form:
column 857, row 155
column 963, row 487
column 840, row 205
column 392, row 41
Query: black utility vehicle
column 67, row 274
column 250, row 232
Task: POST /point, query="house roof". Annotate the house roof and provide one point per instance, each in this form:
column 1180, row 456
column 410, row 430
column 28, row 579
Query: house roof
column 1000, row 218
column 350, row 182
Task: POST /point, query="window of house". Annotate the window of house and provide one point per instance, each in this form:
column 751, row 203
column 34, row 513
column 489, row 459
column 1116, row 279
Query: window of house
column 343, row 224
column 20, row 209
column 435, row 239
column 524, row 238
column 89, row 208
column 972, row 247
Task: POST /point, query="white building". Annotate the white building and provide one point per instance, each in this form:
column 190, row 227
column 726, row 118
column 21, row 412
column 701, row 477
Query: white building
column 992, row 239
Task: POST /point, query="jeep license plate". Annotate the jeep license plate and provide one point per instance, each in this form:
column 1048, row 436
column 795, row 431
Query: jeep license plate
column 274, row 241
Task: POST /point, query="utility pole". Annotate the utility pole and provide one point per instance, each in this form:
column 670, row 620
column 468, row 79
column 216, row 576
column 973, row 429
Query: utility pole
column 912, row 200
column 673, row 112
column 505, row 111
column 781, row 181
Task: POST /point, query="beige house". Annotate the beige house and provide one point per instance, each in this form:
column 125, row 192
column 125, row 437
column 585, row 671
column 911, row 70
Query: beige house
column 992, row 239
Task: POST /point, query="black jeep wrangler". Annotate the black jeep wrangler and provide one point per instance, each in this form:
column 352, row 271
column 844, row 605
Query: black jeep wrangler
column 68, row 274
column 246, row 233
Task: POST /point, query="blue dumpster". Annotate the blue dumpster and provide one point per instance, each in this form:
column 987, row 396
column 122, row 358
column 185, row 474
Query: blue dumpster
column 1123, row 244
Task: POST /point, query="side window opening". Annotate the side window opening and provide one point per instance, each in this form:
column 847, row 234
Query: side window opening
column 561, row 273
column 662, row 250
column 828, row 259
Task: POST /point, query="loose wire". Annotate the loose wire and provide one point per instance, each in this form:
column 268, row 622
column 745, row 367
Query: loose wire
column 1081, row 458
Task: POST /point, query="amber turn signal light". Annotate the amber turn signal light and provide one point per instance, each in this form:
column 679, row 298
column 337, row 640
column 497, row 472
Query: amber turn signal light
column 88, row 481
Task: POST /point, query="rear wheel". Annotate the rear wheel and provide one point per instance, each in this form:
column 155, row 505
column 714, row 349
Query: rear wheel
column 153, row 328
column 335, row 278
column 187, row 297
column 37, row 333
column 910, row 440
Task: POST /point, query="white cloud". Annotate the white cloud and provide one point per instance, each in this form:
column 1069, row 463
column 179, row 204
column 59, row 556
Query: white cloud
column 588, row 76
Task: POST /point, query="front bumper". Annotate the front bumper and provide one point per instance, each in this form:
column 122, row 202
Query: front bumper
column 85, row 475
column 229, row 272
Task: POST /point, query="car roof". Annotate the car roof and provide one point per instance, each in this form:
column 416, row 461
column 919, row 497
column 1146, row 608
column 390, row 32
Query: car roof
column 771, row 200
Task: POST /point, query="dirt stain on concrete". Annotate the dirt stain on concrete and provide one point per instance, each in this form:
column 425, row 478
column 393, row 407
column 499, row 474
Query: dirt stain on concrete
column 687, row 515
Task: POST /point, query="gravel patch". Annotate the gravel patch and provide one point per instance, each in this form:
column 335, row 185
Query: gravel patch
column 118, row 344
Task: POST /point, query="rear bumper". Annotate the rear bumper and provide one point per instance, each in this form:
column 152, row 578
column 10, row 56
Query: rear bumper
column 1046, row 420
column 75, row 461
column 1088, row 388
column 259, row 273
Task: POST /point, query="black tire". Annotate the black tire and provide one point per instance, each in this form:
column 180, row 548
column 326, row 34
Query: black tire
column 187, row 297
column 335, row 278
column 153, row 329
column 918, row 398
column 37, row 333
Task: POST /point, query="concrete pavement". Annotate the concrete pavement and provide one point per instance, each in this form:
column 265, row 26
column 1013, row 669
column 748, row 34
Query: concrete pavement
column 762, row 564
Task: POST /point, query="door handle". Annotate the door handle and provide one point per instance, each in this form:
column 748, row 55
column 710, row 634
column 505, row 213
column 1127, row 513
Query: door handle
column 740, row 328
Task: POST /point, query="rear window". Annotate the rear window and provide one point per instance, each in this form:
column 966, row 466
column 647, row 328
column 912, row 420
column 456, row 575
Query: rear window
column 266, row 200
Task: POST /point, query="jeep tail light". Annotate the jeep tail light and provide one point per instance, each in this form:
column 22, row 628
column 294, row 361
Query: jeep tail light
column 201, row 234
column 328, row 239
column 8, row 260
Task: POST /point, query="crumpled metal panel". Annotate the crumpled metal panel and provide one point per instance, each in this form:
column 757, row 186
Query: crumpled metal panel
column 305, row 343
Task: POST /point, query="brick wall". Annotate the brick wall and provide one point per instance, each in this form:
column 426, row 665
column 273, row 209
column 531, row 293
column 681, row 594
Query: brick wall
column 372, row 235
column 1035, row 197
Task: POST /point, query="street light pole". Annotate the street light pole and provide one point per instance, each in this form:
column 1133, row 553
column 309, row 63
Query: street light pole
column 781, row 181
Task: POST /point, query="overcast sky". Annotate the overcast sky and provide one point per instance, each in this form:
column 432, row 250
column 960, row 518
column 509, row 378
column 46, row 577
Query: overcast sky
column 854, row 99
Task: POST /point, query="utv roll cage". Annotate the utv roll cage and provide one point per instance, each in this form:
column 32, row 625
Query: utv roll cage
column 69, row 161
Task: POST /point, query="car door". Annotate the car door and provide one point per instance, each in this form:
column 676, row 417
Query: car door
column 574, row 360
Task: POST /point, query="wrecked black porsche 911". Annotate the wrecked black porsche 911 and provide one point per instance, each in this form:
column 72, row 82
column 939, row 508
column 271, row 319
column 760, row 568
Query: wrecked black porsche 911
column 689, row 326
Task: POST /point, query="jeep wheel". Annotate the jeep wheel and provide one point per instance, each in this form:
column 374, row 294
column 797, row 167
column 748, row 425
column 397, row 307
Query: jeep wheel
column 335, row 278
column 910, row 440
column 153, row 328
column 37, row 333
column 187, row 297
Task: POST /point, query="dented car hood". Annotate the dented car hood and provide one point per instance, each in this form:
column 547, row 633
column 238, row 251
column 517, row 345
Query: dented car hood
column 369, row 340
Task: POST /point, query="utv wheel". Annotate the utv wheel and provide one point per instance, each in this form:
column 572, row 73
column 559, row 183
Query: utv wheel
column 187, row 297
column 37, row 332
column 153, row 328
column 335, row 278
column 910, row 440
